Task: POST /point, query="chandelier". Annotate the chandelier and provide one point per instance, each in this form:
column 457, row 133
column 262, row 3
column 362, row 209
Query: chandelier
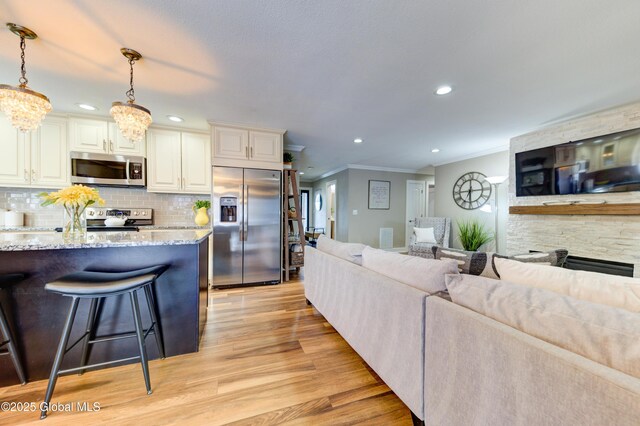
column 26, row 108
column 132, row 119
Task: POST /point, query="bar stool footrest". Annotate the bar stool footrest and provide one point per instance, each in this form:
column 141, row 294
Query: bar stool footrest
column 100, row 364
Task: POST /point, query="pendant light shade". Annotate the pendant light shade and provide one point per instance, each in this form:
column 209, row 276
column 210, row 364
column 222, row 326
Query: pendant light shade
column 133, row 120
column 25, row 108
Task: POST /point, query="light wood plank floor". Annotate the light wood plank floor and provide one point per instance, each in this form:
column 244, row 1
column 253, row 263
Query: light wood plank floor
column 266, row 358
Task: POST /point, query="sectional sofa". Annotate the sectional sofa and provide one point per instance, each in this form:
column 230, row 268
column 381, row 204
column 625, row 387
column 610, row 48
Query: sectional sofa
column 461, row 363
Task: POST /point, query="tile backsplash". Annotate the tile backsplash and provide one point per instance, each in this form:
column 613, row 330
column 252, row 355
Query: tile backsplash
column 168, row 209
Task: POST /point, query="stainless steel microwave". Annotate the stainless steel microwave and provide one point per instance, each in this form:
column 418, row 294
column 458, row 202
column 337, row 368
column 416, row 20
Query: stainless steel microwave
column 107, row 169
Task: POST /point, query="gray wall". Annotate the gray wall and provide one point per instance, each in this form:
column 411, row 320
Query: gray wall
column 342, row 199
column 352, row 194
column 365, row 227
column 446, row 175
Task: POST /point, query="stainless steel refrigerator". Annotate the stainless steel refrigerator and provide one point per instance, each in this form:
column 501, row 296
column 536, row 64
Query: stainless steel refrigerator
column 246, row 226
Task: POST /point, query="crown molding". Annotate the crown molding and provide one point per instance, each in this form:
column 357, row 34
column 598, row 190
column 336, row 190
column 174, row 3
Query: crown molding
column 381, row 169
column 243, row 126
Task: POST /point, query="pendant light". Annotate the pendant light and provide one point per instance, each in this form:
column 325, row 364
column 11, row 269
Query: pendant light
column 132, row 119
column 25, row 107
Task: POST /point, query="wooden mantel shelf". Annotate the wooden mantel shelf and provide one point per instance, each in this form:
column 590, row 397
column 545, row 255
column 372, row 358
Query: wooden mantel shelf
column 578, row 209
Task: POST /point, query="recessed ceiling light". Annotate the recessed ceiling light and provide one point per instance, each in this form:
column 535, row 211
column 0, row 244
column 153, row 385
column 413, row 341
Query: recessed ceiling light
column 435, row 150
column 87, row 107
column 443, row 90
column 301, row 173
column 175, row 118
column 357, row 140
column 310, row 167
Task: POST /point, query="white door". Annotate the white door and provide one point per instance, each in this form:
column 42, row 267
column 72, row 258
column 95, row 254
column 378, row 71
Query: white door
column 15, row 156
column 230, row 143
column 332, row 209
column 49, row 155
column 86, row 135
column 196, row 163
column 265, row 146
column 164, row 161
column 416, row 205
column 118, row 144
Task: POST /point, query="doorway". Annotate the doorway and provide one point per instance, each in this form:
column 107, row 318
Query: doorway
column 332, row 208
column 416, row 205
column 305, row 206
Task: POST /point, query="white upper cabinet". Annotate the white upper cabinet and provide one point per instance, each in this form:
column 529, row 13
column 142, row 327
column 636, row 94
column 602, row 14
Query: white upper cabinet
column 264, row 146
column 178, row 162
column 101, row 136
column 37, row 159
column 240, row 146
column 49, row 155
column 196, row 163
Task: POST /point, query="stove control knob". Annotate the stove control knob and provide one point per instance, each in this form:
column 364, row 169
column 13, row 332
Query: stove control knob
column 91, row 212
column 100, row 213
column 136, row 213
column 144, row 213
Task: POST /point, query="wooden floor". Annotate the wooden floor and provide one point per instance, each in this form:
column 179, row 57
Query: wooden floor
column 266, row 358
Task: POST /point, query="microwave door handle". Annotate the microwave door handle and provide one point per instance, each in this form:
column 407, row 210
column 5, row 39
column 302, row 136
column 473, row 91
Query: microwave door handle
column 127, row 171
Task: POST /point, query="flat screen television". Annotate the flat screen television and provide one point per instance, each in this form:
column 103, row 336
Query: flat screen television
column 609, row 163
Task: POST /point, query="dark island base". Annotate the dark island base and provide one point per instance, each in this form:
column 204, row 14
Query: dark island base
column 37, row 317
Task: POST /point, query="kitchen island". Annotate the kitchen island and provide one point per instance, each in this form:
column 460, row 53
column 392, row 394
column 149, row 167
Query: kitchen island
column 37, row 317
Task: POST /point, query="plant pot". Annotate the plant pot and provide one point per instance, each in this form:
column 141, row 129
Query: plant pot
column 202, row 218
column 287, row 166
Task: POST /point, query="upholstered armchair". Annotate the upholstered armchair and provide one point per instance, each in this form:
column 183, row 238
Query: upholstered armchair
column 441, row 230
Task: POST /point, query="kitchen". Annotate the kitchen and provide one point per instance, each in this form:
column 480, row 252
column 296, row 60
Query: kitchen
column 150, row 183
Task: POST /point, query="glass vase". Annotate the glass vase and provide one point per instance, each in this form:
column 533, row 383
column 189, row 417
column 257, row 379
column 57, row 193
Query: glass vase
column 74, row 225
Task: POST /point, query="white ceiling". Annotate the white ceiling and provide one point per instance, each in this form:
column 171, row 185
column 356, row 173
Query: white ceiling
column 332, row 70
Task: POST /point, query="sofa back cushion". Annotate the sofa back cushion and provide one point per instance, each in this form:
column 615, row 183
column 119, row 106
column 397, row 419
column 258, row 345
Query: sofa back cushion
column 347, row 251
column 609, row 336
column 424, row 274
column 612, row 290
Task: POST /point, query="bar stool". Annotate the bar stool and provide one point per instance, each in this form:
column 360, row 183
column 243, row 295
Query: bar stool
column 97, row 286
column 10, row 342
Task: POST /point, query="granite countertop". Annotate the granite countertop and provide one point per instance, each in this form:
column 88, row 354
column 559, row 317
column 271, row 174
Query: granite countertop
column 15, row 241
column 142, row 228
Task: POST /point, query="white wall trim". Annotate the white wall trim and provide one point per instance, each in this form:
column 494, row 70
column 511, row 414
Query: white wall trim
column 381, row 169
column 294, row 148
column 476, row 155
column 329, row 173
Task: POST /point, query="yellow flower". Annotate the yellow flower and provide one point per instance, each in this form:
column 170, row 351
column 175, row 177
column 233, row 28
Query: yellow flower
column 73, row 196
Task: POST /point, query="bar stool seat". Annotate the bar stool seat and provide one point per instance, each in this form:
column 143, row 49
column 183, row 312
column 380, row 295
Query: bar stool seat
column 93, row 284
column 96, row 286
column 6, row 337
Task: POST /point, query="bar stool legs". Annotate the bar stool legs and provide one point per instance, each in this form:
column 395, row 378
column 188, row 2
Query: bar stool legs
column 153, row 313
column 12, row 349
column 140, row 336
column 57, row 361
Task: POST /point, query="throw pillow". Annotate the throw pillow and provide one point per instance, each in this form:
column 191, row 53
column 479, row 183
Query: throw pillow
column 607, row 335
column 424, row 274
column 554, row 257
column 469, row 262
column 347, row 251
column 612, row 290
column 424, row 235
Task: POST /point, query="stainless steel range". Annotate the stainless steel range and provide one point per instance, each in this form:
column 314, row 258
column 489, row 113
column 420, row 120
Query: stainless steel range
column 135, row 217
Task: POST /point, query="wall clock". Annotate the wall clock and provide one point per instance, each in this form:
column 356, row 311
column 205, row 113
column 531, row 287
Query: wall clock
column 471, row 191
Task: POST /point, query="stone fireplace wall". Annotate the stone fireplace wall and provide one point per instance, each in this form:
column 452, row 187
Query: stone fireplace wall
column 615, row 238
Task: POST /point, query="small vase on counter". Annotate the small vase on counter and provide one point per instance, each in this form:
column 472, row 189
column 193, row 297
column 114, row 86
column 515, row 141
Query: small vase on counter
column 74, row 225
column 200, row 207
column 75, row 199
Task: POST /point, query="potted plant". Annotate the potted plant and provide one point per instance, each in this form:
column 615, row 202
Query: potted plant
column 201, row 207
column 473, row 235
column 287, row 160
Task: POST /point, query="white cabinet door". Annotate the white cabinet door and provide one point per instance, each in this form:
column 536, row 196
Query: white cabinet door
column 230, row 143
column 196, row 163
column 163, row 161
column 49, row 155
column 265, row 146
column 14, row 156
column 88, row 135
column 118, row 144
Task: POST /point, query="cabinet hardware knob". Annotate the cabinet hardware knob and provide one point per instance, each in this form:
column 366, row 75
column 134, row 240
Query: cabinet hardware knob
column 111, row 145
column 26, row 175
column 104, row 145
column 251, row 152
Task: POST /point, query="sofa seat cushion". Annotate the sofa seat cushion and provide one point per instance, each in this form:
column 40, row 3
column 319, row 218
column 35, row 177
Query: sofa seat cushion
column 424, row 274
column 607, row 335
column 612, row 290
column 347, row 251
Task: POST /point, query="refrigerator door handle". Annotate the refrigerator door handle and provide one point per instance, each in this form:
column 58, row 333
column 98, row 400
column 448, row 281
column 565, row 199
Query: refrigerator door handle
column 241, row 227
column 246, row 213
